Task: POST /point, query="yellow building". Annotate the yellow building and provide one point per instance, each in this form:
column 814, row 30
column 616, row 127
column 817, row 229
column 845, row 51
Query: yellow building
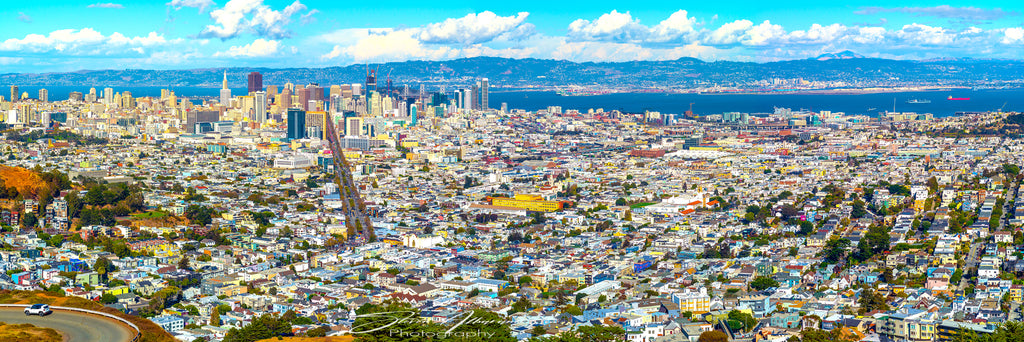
column 528, row 202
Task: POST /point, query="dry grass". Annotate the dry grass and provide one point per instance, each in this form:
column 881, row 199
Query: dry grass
column 28, row 333
column 150, row 331
column 26, row 181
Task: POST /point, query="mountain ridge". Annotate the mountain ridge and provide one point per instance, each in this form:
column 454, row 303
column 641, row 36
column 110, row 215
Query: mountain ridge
column 844, row 66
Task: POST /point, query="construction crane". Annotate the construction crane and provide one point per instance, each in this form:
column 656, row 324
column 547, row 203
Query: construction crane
column 357, row 221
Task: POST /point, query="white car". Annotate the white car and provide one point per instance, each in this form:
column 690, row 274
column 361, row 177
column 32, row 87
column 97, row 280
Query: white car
column 38, row 309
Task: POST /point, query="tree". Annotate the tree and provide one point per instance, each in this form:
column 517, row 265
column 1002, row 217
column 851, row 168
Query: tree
column 215, row 317
column 713, row 336
column 183, row 263
column 858, row 209
column 538, row 330
column 761, row 283
column 103, row 266
column 199, row 214
column 108, row 298
column 835, row 249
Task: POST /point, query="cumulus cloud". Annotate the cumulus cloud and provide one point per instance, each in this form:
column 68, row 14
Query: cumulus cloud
column 943, row 11
column 202, row 5
column 106, row 5
column 678, row 27
column 252, row 16
column 24, row 17
column 1013, row 35
column 471, row 29
column 258, row 48
column 82, row 42
column 610, row 27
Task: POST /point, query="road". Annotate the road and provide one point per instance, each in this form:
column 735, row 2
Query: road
column 972, row 258
column 76, row 327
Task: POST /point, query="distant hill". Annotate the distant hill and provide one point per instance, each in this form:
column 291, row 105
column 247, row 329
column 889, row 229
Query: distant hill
column 839, row 55
column 684, row 72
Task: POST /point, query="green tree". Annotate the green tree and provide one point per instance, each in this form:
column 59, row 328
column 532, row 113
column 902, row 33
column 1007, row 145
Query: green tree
column 713, row 336
column 762, row 282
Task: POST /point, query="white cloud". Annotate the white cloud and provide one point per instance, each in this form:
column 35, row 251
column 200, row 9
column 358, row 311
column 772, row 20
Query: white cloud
column 252, row 16
column 24, row 17
column 471, row 29
column 202, row 5
column 308, row 17
column 389, row 45
column 106, row 5
column 818, row 34
column 678, row 27
column 81, row 42
column 919, row 34
column 1013, row 35
column 729, row 33
column 611, row 27
column 258, row 48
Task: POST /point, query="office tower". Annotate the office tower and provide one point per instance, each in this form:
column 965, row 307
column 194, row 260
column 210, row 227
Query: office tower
column 286, row 99
column 194, row 117
column 353, row 126
column 303, row 95
column 260, row 113
column 75, row 96
column 296, row 123
column 484, row 90
column 476, row 96
column 127, row 101
column 412, row 115
column 91, row 96
column 357, row 89
column 467, row 101
column 335, row 91
column 271, row 91
column 504, row 107
column 371, row 82
column 225, row 93
column 346, row 91
column 14, row 93
column 108, row 95
column 316, row 124
column 44, row 95
column 255, row 82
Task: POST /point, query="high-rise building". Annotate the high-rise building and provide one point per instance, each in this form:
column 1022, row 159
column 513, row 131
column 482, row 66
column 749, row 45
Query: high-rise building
column 108, row 96
column 412, row 115
column 467, row 101
column 44, row 95
column 225, row 93
column 353, row 126
column 91, row 96
column 286, row 99
column 484, row 90
column 271, row 91
column 255, row 82
column 14, row 93
column 316, row 124
column 371, row 82
column 260, row 113
column 303, row 95
column 296, row 123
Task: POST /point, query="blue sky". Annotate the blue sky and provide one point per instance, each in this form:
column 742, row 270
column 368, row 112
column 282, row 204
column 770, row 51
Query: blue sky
column 62, row 35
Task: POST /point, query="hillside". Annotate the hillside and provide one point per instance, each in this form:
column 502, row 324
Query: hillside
column 26, row 181
column 28, row 333
column 844, row 66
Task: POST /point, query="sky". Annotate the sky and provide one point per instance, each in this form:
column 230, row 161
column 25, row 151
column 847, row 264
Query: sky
column 66, row 35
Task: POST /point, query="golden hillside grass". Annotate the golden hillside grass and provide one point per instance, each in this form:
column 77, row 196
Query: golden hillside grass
column 28, row 333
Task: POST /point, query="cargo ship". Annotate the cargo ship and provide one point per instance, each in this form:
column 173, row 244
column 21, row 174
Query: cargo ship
column 951, row 98
column 918, row 101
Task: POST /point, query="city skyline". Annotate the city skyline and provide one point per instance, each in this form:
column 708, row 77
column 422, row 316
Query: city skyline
column 184, row 34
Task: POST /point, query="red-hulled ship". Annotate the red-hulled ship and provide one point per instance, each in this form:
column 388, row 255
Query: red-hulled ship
column 951, row 98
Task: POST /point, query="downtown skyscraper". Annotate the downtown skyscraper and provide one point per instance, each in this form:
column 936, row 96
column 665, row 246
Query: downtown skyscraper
column 255, row 82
